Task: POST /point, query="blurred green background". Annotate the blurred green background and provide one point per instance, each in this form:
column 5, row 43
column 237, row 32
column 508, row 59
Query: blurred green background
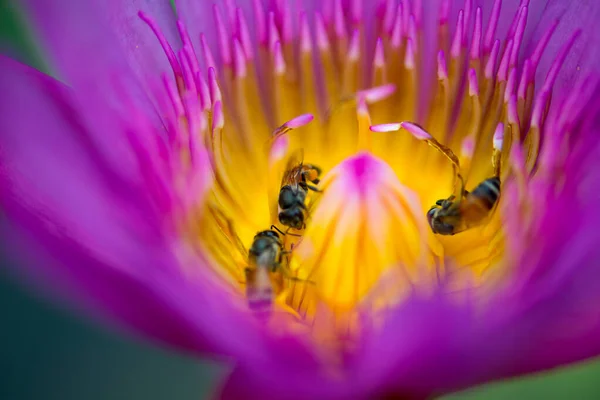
column 46, row 353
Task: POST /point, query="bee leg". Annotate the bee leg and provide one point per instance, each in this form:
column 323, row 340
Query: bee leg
column 314, row 188
column 287, row 232
column 288, row 253
column 273, row 227
column 292, row 246
column 440, row 202
column 288, row 275
column 446, row 204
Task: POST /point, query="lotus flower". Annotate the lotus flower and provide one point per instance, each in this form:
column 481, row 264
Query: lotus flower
column 135, row 180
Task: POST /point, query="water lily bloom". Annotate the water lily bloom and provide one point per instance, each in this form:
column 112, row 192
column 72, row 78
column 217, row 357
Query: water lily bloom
column 440, row 227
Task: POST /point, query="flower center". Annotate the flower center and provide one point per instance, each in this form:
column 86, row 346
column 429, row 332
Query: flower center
column 355, row 227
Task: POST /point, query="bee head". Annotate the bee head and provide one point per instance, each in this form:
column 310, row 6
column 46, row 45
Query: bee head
column 436, row 222
column 264, row 240
column 292, row 217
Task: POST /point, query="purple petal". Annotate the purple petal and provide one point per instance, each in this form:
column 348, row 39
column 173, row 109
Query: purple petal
column 584, row 56
column 288, row 379
column 105, row 53
column 52, row 188
column 197, row 15
column 41, row 128
column 92, row 40
column 97, row 48
column 92, row 235
column 546, row 315
column 141, row 47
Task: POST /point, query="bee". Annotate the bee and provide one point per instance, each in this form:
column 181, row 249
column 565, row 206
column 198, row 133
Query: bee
column 450, row 216
column 295, row 185
column 466, row 210
column 265, row 258
column 454, row 215
column 266, row 264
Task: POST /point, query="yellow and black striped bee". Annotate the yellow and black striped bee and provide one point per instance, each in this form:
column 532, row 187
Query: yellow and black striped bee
column 264, row 259
column 464, row 210
column 454, row 215
column 265, row 263
column 448, row 217
column 294, row 189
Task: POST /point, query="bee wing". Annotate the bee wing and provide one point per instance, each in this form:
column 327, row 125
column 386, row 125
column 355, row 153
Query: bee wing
column 473, row 211
column 291, row 168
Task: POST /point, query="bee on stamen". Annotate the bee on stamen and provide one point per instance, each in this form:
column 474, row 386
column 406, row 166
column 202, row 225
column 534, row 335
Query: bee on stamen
column 267, row 262
column 295, row 185
column 454, row 215
column 466, row 210
column 462, row 210
column 264, row 258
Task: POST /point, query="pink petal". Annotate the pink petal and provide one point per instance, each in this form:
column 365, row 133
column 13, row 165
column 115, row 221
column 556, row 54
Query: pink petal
column 140, row 46
column 95, row 46
column 198, row 17
column 80, row 228
column 91, row 39
column 546, row 315
column 584, row 56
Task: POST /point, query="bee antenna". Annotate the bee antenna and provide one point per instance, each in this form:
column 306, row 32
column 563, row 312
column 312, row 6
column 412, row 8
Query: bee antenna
column 273, row 227
column 292, row 234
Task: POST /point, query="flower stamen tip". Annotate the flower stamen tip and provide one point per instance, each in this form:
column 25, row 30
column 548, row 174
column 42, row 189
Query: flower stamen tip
column 416, row 130
column 377, row 93
column 499, row 137
column 299, row 121
column 382, row 128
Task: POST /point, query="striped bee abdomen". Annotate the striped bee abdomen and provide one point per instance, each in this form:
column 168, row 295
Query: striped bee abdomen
column 487, row 192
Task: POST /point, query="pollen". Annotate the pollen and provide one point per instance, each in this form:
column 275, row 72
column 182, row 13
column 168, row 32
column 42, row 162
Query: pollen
column 375, row 139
